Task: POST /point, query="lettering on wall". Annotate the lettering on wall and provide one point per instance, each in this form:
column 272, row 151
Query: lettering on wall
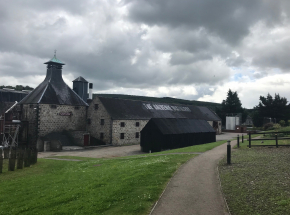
column 166, row 107
column 65, row 114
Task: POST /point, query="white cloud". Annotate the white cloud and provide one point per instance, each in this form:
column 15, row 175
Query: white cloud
column 249, row 92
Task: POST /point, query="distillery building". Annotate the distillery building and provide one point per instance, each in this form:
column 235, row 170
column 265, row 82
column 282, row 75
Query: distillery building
column 60, row 115
column 120, row 121
column 53, row 106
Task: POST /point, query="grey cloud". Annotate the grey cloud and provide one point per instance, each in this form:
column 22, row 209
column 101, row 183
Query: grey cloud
column 229, row 20
column 274, row 57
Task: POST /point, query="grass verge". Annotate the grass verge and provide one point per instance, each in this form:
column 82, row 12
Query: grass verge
column 257, row 182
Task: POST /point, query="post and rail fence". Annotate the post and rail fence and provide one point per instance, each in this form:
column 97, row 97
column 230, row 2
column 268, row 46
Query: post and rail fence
column 17, row 157
column 276, row 139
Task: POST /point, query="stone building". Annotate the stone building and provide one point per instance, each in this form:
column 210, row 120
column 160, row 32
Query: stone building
column 119, row 121
column 53, row 107
column 53, row 110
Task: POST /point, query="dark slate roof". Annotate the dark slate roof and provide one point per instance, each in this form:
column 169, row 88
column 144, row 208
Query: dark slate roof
column 129, row 109
column 80, row 79
column 53, row 90
column 182, row 126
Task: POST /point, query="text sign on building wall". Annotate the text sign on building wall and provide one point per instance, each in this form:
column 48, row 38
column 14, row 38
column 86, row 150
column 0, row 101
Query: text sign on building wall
column 65, row 114
column 166, row 107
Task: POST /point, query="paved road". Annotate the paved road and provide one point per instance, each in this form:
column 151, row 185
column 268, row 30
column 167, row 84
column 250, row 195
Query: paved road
column 114, row 151
column 195, row 188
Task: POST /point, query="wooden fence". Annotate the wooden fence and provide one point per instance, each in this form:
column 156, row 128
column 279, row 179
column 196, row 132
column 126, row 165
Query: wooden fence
column 17, row 157
column 276, row 139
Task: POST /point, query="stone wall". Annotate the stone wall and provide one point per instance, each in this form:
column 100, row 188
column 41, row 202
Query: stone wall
column 56, row 118
column 129, row 130
column 78, row 137
column 96, row 113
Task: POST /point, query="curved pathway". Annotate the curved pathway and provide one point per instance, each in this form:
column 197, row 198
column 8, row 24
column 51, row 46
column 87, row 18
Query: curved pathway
column 195, row 188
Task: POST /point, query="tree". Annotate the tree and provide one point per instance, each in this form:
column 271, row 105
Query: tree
column 232, row 105
column 271, row 108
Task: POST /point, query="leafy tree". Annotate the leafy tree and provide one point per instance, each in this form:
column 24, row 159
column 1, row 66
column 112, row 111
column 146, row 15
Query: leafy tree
column 233, row 105
column 271, row 108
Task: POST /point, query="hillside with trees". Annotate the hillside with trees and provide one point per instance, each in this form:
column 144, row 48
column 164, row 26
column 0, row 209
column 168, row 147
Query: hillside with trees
column 17, row 87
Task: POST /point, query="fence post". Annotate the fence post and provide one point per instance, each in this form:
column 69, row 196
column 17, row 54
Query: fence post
column 238, row 141
column 11, row 162
column 6, row 152
column 1, row 160
column 26, row 160
column 242, row 138
column 276, row 138
column 229, row 152
column 20, row 159
column 249, row 139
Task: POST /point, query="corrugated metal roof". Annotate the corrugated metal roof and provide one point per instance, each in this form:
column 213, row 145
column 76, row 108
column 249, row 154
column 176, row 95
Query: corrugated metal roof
column 80, row 79
column 130, row 109
column 182, row 126
column 53, row 90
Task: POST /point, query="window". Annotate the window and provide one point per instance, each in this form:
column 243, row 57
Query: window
column 77, row 107
column 102, row 122
column 96, row 106
column 53, row 106
column 89, row 121
column 122, row 124
column 137, row 124
column 122, row 136
column 31, row 106
column 101, row 136
column 137, row 135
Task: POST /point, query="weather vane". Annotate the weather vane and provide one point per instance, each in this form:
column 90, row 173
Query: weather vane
column 55, row 53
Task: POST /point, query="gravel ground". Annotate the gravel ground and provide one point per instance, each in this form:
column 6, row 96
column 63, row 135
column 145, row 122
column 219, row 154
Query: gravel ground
column 114, row 151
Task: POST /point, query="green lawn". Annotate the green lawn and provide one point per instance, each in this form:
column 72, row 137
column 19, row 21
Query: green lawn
column 257, row 182
column 196, row 148
column 91, row 186
column 128, row 185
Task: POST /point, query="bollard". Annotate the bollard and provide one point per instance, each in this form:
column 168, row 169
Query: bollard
column 242, row 138
column 238, row 141
column 276, row 138
column 229, row 152
column 1, row 160
column 249, row 139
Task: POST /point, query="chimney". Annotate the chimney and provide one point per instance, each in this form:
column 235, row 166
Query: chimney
column 91, row 91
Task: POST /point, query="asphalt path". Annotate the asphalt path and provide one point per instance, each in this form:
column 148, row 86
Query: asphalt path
column 195, row 188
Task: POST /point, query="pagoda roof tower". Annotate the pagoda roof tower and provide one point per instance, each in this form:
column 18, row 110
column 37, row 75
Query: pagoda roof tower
column 53, row 90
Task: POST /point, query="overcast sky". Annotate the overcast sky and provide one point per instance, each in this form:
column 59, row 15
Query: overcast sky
column 188, row 49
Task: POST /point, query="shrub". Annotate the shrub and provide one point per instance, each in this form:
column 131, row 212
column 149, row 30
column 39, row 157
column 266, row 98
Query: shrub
column 276, row 126
column 282, row 123
column 268, row 126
